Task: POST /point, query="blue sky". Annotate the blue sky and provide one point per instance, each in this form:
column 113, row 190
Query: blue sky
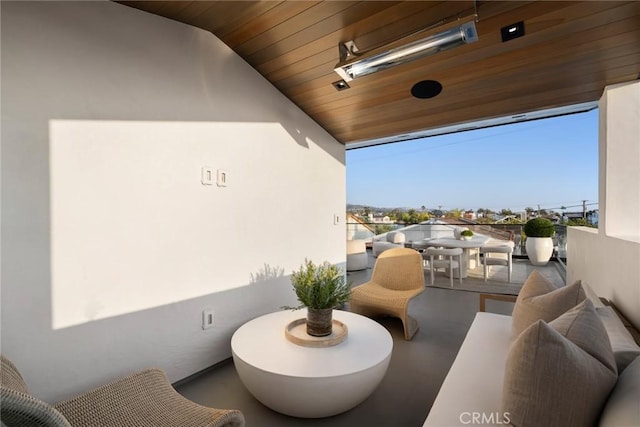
column 550, row 162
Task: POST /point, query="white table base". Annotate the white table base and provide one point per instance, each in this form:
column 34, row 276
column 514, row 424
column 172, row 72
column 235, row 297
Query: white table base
column 310, row 397
column 310, row 382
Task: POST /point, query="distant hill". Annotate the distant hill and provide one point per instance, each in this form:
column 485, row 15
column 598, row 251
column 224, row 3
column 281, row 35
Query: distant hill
column 352, row 207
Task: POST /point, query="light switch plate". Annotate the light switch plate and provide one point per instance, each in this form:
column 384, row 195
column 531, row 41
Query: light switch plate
column 206, row 175
column 222, row 178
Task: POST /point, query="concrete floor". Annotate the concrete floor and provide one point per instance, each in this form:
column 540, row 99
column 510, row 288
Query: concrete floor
column 417, row 369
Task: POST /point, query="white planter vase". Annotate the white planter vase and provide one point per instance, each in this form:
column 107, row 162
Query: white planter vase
column 539, row 250
column 457, row 231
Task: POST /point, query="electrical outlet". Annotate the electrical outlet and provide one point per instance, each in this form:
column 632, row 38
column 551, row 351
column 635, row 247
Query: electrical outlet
column 207, row 318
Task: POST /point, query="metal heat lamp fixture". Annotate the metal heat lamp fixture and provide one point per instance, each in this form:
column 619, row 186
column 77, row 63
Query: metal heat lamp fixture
column 354, row 64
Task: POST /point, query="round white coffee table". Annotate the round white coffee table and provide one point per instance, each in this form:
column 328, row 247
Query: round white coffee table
column 310, row 382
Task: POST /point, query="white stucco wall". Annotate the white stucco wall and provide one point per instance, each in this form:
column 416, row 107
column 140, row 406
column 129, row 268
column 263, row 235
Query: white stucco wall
column 610, row 266
column 608, row 258
column 111, row 246
column 619, row 156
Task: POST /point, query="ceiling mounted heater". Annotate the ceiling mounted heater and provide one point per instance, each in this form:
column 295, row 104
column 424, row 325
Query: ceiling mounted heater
column 354, row 64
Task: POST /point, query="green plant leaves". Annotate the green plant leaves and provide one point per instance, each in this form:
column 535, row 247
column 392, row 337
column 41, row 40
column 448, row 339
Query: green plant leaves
column 539, row 227
column 320, row 286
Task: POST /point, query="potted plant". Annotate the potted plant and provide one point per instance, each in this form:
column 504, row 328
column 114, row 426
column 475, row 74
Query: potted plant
column 457, row 231
column 539, row 244
column 466, row 234
column 320, row 288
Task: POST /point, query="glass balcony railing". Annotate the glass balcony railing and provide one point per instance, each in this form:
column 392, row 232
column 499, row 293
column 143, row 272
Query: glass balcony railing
column 437, row 229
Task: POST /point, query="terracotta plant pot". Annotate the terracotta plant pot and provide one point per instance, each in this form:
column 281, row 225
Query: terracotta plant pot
column 319, row 321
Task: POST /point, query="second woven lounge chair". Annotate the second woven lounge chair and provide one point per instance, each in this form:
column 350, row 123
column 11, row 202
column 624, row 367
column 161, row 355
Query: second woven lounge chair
column 144, row 399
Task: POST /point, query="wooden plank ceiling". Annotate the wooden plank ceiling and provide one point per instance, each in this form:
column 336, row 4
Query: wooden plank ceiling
column 570, row 52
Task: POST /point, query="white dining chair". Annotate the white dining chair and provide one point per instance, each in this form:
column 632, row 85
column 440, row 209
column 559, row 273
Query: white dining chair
column 497, row 255
column 444, row 258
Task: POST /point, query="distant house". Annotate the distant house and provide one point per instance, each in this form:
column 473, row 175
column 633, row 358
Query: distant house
column 381, row 219
column 591, row 216
column 573, row 215
column 469, row 215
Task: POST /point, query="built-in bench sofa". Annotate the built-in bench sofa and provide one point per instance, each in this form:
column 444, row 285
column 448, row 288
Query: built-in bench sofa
column 486, row 384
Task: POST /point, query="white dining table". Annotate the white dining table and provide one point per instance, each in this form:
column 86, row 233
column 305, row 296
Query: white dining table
column 476, row 242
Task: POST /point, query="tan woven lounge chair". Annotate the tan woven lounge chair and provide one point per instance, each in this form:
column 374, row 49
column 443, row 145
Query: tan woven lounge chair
column 143, row 399
column 397, row 278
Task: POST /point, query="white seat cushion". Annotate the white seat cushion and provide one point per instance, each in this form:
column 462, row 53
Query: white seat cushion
column 356, row 262
column 622, row 408
column 356, row 247
column 379, row 247
column 396, row 237
column 479, row 365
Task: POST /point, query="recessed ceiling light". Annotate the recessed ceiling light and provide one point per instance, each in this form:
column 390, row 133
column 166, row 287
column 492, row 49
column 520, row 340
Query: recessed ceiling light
column 512, row 31
column 340, row 85
column 426, row 89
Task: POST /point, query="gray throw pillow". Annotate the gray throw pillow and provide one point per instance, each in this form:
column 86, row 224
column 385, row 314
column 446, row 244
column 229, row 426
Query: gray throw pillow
column 592, row 295
column 539, row 299
column 625, row 349
column 559, row 374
